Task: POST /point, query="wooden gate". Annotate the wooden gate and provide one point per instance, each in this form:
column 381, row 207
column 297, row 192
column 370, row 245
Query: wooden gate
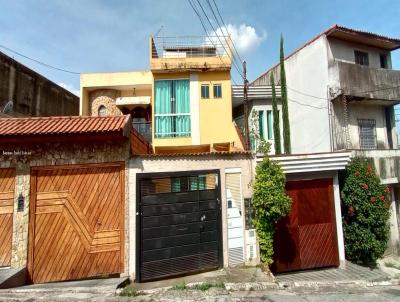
column 306, row 238
column 179, row 227
column 7, row 182
column 76, row 222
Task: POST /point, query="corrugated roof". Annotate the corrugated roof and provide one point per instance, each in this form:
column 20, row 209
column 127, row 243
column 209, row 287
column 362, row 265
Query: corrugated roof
column 62, row 125
column 178, row 154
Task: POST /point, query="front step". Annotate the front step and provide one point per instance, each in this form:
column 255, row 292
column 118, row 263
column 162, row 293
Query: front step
column 12, row 277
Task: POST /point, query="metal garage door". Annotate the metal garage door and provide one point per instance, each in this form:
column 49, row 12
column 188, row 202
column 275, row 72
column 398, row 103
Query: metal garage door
column 76, row 222
column 306, row 238
column 179, row 224
column 7, row 181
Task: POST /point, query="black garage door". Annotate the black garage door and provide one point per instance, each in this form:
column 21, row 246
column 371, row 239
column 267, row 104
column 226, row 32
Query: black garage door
column 179, row 229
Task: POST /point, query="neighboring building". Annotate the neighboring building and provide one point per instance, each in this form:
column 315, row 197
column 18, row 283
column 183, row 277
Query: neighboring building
column 184, row 100
column 341, row 95
column 24, row 92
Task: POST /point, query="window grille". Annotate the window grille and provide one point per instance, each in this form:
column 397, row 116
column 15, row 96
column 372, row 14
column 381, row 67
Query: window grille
column 367, row 133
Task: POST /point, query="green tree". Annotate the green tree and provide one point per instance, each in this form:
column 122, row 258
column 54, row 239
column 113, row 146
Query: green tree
column 285, row 109
column 365, row 210
column 270, row 203
column 275, row 114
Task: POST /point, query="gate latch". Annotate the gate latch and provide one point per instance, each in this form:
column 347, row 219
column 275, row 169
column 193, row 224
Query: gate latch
column 203, row 217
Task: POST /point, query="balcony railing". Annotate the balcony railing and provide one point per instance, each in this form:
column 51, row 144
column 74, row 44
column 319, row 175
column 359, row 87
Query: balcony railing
column 189, row 47
column 144, row 128
column 172, row 125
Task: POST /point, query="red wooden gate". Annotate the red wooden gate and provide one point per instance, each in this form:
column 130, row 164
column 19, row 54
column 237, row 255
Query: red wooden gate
column 306, row 238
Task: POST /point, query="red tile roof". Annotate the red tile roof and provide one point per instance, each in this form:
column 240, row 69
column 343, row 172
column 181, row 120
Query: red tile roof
column 213, row 153
column 65, row 125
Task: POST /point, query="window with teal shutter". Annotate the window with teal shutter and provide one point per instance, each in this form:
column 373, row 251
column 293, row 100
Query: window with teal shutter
column 172, row 108
column 175, row 184
column 202, row 182
column 270, row 124
column 261, row 123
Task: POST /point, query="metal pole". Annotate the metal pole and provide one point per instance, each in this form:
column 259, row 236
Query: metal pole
column 246, row 108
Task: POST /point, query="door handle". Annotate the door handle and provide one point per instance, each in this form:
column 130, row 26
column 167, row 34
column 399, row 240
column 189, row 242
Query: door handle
column 203, row 217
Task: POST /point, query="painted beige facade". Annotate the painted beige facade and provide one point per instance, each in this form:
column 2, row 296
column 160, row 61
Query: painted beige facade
column 224, row 163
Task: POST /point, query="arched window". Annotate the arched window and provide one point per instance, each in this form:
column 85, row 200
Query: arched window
column 102, row 111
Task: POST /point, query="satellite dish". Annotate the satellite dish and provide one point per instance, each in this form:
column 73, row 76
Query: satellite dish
column 8, row 108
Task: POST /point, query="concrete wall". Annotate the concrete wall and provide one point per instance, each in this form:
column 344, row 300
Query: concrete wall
column 187, row 163
column 358, row 110
column 344, row 51
column 306, row 74
column 50, row 155
column 32, row 94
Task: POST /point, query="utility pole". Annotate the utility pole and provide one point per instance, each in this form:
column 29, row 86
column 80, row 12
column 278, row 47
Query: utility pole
column 246, row 107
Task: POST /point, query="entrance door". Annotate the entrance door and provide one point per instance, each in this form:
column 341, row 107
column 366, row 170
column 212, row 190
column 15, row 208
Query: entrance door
column 179, row 224
column 7, row 182
column 306, row 238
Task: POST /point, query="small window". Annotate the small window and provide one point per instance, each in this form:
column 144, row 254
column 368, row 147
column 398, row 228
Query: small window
column 205, row 91
column 367, row 133
column 383, row 60
column 361, row 57
column 102, row 111
column 217, row 91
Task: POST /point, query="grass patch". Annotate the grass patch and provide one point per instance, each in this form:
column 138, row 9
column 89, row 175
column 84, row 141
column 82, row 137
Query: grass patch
column 129, row 292
column 392, row 265
column 207, row 285
column 180, row 286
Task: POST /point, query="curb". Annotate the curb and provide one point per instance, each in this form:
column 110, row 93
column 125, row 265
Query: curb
column 350, row 283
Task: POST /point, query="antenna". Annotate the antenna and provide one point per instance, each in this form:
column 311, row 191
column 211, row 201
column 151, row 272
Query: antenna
column 158, row 31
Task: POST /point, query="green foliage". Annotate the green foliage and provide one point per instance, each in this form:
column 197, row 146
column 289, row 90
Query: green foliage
column 130, row 292
column 285, row 109
column 207, row 285
column 365, row 210
column 180, row 286
column 270, row 203
column 263, row 147
column 275, row 114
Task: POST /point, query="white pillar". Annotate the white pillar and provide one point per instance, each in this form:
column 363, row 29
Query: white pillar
column 195, row 108
column 394, row 228
column 338, row 215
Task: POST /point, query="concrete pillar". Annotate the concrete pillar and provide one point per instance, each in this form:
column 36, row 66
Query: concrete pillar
column 394, row 241
column 338, row 215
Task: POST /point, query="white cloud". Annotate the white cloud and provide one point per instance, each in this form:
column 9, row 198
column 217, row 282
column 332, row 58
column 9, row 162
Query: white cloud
column 70, row 88
column 245, row 37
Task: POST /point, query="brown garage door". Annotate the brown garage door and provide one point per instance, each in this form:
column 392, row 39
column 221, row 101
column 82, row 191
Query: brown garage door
column 76, row 225
column 7, row 181
column 306, row 238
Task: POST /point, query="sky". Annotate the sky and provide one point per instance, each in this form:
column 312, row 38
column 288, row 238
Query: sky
column 106, row 36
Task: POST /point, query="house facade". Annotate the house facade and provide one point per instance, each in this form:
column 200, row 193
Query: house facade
column 187, row 199
column 183, row 100
column 341, row 95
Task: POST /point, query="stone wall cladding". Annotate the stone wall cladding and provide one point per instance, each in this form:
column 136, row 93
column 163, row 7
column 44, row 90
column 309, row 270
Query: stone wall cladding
column 106, row 98
column 24, row 158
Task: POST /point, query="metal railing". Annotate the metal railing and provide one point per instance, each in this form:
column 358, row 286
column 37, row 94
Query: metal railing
column 190, row 47
column 144, row 128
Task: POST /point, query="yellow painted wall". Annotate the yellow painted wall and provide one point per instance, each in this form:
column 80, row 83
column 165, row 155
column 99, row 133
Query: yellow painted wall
column 216, row 124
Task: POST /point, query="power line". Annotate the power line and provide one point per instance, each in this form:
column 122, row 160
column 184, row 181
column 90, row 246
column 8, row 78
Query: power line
column 212, row 27
column 223, row 45
column 37, row 61
column 205, row 29
column 226, row 29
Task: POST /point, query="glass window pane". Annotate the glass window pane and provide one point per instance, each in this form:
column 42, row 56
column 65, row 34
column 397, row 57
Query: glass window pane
column 205, row 92
column 175, row 184
column 270, row 124
column 217, row 91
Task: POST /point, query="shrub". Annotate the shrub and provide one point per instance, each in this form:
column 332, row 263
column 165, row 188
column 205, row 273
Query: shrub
column 129, row 292
column 365, row 211
column 270, row 203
